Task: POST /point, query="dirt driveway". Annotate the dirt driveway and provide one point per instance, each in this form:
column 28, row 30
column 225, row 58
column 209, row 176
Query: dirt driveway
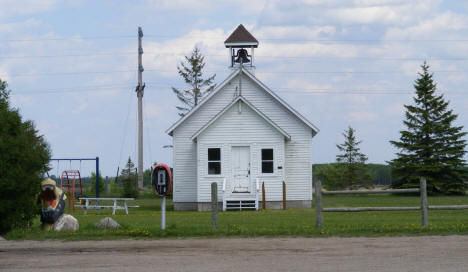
column 429, row 253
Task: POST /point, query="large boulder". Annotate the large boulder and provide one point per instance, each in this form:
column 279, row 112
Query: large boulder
column 66, row 222
column 107, row 223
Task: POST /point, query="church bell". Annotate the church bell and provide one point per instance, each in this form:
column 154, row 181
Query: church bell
column 242, row 56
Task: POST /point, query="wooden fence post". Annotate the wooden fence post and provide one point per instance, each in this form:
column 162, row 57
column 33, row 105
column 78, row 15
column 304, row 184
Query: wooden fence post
column 423, row 190
column 214, row 205
column 318, row 204
column 263, row 196
column 284, row 195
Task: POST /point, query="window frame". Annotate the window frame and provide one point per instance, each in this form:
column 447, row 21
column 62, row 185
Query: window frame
column 214, row 161
column 272, row 161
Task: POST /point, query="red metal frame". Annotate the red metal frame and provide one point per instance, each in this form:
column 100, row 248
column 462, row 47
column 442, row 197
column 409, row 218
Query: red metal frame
column 68, row 182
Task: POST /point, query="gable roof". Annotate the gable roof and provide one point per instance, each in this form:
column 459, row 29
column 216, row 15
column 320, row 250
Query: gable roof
column 239, row 37
column 315, row 130
column 243, row 99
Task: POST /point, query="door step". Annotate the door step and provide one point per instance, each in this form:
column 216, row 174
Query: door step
column 241, row 204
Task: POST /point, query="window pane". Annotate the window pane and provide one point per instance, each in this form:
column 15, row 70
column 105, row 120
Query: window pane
column 214, row 154
column 267, row 154
column 267, row 167
column 214, row 168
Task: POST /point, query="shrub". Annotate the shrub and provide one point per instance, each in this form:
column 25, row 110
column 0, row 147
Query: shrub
column 24, row 156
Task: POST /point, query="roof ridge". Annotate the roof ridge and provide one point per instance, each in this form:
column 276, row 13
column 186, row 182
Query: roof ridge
column 241, row 35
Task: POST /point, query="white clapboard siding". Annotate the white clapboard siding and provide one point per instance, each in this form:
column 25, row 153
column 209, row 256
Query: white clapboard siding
column 185, row 155
column 297, row 151
column 238, row 129
column 298, row 165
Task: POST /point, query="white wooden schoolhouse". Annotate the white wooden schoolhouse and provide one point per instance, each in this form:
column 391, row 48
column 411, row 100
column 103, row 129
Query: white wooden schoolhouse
column 242, row 135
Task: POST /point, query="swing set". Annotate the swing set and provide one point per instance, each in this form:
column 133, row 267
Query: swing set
column 70, row 180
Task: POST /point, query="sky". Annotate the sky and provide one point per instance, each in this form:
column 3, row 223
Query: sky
column 71, row 67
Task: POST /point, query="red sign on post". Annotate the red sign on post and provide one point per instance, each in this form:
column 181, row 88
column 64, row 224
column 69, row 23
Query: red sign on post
column 161, row 179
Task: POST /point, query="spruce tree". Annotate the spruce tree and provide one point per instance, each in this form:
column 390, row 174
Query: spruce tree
column 192, row 73
column 351, row 162
column 431, row 146
column 129, row 180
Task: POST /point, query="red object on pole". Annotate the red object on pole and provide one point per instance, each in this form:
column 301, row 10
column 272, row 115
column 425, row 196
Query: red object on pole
column 162, row 182
column 68, row 182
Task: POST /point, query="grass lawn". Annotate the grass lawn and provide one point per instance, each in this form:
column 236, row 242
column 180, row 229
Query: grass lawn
column 144, row 222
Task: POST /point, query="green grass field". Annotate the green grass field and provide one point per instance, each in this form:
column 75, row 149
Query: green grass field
column 144, row 222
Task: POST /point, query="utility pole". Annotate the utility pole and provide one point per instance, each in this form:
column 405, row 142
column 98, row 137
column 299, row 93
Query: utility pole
column 140, row 90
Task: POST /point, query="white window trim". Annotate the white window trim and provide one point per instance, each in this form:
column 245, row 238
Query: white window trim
column 220, row 161
column 274, row 173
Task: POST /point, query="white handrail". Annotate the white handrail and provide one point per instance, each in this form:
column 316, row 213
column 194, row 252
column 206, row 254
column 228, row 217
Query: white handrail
column 224, row 184
column 257, row 184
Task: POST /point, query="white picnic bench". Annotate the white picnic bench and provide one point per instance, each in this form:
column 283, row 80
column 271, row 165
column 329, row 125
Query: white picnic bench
column 97, row 206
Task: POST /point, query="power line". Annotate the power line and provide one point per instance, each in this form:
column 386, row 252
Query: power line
column 276, row 89
column 213, row 71
column 321, row 58
column 70, row 73
column 68, row 55
column 90, row 88
column 222, row 37
column 69, row 38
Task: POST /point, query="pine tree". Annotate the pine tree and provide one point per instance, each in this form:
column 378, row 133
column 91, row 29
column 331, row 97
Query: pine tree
column 129, row 180
column 431, row 146
column 192, row 73
column 24, row 158
column 352, row 162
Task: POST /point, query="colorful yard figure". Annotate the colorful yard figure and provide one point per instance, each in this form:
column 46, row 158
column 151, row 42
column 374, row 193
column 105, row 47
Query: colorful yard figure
column 52, row 201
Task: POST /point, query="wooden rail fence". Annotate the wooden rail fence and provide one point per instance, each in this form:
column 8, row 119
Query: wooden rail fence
column 424, row 207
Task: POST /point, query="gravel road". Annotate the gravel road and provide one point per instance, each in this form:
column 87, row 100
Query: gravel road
column 426, row 253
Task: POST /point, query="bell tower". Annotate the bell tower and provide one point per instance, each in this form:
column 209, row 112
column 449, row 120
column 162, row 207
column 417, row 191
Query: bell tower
column 239, row 43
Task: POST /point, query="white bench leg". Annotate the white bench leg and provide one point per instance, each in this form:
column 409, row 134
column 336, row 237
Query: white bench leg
column 85, row 210
column 125, row 206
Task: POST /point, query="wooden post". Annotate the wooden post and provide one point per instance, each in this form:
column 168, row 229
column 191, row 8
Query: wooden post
column 139, row 90
column 318, row 204
column 423, row 189
column 107, row 186
column 214, row 205
column 284, row 195
column 263, row 196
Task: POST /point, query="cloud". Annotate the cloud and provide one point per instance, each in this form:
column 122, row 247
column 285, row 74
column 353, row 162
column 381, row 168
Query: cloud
column 15, row 7
column 444, row 23
column 383, row 12
column 241, row 6
column 362, row 116
column 395, row 109
column 165, row 56
column 294, row 32
column 18, row 27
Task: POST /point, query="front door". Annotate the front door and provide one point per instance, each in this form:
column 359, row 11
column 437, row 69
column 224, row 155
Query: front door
column 241, row 169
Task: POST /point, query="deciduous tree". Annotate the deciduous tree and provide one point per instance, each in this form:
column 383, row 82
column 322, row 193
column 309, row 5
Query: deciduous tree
column 24, row 158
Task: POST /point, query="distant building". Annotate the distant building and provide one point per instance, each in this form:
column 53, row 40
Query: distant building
column 240, row 136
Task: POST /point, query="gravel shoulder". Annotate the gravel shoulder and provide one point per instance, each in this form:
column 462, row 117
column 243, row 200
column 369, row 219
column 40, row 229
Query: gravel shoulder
column 422, row 253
